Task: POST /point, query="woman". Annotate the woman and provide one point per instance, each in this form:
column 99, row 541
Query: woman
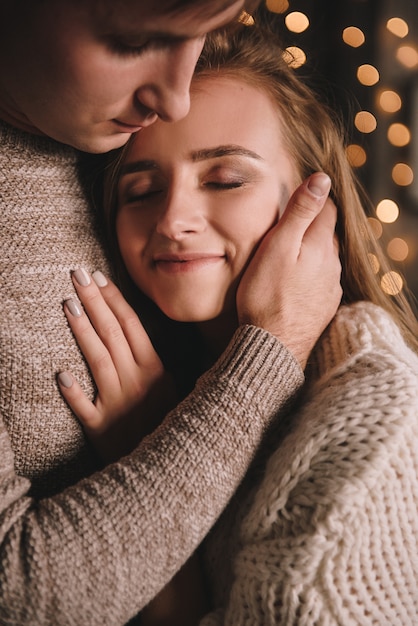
column 323, row 528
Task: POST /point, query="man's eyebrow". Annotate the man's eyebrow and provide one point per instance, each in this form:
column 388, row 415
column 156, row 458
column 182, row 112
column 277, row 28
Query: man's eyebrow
column 220, row 151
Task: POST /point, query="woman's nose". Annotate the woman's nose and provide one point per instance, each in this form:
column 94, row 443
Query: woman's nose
column 181, row 217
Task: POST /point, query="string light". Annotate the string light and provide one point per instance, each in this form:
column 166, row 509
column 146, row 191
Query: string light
column 294, row 56
column 376, row 227
column 387, row 211
column 368, row 75
column 398, row 249
column 399, row 135
column 390, row 101
column 391, row 283
column 297, row 22
column 356, row 155
column 365, row 122
column 353, row 36
column 408, row 56
column 402, row 174
column 277, row 6
column 398, row 27
column 382, row 113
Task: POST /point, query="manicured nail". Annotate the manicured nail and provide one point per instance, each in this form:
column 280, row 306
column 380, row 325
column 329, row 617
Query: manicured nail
column 65, row 379
column 319, row 184
column 99, row 278
column 82, row 277
column 73, row 307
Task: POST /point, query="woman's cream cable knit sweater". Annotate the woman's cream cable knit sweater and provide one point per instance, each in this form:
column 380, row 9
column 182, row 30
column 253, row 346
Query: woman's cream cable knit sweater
column 330, row 536
column 96, row 552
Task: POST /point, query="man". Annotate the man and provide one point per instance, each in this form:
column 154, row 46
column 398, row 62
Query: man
column 79, row 547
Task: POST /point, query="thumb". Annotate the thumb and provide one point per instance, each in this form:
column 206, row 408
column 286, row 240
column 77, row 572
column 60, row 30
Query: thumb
column 304, row 206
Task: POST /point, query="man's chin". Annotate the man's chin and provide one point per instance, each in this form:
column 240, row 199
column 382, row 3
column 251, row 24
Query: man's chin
column 100, row 145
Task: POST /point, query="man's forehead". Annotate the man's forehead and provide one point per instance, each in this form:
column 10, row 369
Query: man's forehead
column 161, row 9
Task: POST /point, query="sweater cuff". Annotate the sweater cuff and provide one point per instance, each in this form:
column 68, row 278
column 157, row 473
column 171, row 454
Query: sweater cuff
column 256, row 363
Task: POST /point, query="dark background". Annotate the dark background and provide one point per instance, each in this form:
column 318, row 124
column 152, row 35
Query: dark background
column 334, row 63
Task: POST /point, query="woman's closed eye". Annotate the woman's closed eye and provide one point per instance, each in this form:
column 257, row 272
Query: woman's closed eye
column 220, row 185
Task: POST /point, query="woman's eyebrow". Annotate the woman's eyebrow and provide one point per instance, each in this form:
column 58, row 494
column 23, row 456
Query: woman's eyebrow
column 220, row 151
column 196, row 155
column 137, row 166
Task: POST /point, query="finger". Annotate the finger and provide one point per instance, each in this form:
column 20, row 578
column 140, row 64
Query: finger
column 78, row 402
column 134, row 331
column 105, row 323
column 322, row 230
column 95, row 352
column 303, row 208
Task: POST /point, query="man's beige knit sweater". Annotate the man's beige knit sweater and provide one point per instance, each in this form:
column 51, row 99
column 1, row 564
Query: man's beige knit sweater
column 93, row 551
column 328, row 536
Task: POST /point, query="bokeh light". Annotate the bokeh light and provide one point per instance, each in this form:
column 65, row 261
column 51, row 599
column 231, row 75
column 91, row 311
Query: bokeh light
column 368, row 75
column 365, row 122
column 408, row 56
column 392, row 283
column 402, row 174
column 297, row 22
column 356, row 155
column 399, row 134
column 397, row 26
column 390, row 101
column 294, row 56
column 398, row 249
column 374, row 262
column 376, row 227
column 277, row 6
column 353, row 36
column 387, row 211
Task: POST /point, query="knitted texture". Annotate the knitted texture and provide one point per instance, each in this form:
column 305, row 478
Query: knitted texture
column 96, row 552
column 330, row 534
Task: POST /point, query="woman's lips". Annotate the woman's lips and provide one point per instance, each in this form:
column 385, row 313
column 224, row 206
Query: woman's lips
column 186, row 263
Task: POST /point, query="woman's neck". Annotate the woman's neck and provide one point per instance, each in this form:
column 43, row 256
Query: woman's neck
column 216, row 334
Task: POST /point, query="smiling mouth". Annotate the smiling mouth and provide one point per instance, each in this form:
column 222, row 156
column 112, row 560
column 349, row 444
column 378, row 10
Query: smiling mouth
column 180, row 265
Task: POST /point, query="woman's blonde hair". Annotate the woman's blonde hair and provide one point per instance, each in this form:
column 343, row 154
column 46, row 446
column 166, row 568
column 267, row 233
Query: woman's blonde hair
column 315, row 139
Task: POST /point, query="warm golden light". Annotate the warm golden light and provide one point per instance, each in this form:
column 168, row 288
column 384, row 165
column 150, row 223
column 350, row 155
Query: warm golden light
column 367, row 75
column 402, row 174
column 353, row 36
column 391, row 283
column 246, row 18
column 297, row 22
column 294, row 56
column 398, row 27
column 277, row 6
column 387, row 211
column 374, row 262
column 408, row 56
column 356, row 155
column 375, row 226
column 399, row 135
column 398, row 249
column 365, row 122
column 390, row 101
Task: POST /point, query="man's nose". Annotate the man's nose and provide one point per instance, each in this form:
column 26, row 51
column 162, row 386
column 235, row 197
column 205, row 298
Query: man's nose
column 167, row 93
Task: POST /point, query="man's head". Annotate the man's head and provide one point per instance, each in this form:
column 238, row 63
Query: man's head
column 89, row 73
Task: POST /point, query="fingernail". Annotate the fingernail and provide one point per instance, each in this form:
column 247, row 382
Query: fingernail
column 65, row 379
column 100, row 279
column 319, row 184
column 82, row 277
column 73, row 307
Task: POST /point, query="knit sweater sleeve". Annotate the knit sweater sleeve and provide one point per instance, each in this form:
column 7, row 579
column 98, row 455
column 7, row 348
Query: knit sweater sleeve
column 332, row 535
column 100, row 550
